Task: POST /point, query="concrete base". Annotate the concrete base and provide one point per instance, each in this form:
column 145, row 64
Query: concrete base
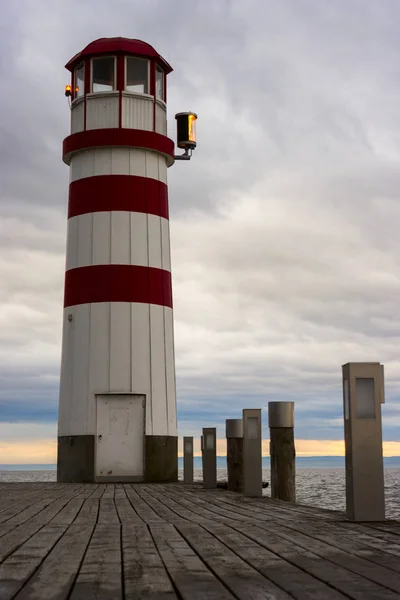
column 161, row 458
column 75, row 462
column 234, row 459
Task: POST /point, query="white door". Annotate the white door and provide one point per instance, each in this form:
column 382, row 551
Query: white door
column 120, row 436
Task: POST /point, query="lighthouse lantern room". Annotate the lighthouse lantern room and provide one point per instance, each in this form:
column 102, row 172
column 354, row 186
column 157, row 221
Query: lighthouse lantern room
column 117, row 406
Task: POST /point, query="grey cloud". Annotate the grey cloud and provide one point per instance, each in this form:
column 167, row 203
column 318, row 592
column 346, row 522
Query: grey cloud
column 285, row 223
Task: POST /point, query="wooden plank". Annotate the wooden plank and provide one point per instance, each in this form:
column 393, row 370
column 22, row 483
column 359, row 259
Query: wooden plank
column 68, row 513
column 320, row 564
column 159, row 508
column 109, row 492
column 354, row 556
column 16, row 500
column 19, row 514
column 88, row 513
column 389, row 527
column 108, row 514
column 147, row 514
column 308, row 511
column 126, row 513
column 327, row 546
column 374, row 537
column 18, row 567
column 189, row 574
column 100, row 575
column 87, row 490
column 211, row 544
column 237, row 575
column 353, row 544
column 56, row 575
column 144, row 572
column 215, row 502
column 100, row 491
column 206, row 509
column 283, row 573
column 22, row 532
column 187, row 512
column 119, row 491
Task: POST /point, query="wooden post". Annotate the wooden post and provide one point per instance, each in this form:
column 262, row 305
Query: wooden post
column 187, row 460
column 234, row 454
column 282, row 450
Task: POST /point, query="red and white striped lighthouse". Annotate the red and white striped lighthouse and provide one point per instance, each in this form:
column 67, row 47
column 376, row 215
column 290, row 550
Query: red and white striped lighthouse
column 117, row 407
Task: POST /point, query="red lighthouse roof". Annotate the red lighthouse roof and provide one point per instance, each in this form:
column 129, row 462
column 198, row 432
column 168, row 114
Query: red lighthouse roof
column 118, row 45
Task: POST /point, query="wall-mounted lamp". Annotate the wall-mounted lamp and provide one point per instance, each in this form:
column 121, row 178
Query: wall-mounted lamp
column 185, row 134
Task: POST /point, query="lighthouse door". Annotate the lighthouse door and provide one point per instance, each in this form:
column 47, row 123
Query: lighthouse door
column 120, row 437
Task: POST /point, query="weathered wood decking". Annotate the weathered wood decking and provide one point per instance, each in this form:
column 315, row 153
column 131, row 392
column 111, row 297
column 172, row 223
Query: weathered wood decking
column 173, row 541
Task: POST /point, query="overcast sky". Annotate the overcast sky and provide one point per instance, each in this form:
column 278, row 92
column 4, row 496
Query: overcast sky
column 285, row 224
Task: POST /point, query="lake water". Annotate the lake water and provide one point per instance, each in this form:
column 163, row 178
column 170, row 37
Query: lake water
column 320, row 487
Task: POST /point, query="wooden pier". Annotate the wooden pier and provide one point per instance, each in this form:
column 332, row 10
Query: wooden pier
column 171, row 541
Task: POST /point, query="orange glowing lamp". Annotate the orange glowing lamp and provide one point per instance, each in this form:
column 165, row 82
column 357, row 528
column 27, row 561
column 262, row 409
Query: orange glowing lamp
column 186, row 130
column 68, row 90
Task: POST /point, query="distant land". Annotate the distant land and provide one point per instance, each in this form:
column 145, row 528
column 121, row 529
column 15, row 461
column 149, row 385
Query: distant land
column 302, row 462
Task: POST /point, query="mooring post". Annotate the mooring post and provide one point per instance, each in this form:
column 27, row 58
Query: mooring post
column 363, row 394
column 209, row 445
column 252, row 452
column 187, row 460
column 234, row 454
column 282, row 450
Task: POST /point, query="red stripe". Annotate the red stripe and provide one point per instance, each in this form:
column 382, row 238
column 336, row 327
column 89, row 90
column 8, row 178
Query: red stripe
column 118, row 192
column 133, row 138
column 117, row 283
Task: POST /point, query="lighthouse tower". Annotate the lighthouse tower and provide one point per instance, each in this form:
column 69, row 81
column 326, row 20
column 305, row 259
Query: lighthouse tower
column 117, row 406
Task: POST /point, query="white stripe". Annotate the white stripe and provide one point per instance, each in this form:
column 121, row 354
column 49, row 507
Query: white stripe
column 170, row 369
column 118, row 161
column 118, row 237
column 158, row 372
column 117, row 347
column 120, row 347
column 165, row 245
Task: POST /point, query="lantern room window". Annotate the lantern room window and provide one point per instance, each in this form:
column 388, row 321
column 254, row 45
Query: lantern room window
column 103, row 74
column 137, row 75
column 159, row 83
column 79, row 81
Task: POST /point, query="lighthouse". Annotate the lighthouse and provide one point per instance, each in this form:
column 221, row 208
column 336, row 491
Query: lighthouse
column 117, row 404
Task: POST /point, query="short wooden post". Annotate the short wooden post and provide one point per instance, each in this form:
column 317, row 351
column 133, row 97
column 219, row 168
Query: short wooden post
column 234, row 454
column 209, row 446
column 187, row 460
column 252, row 452
column 282, row 451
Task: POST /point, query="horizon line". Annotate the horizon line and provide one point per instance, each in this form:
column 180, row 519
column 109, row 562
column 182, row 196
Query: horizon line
column 313, row 456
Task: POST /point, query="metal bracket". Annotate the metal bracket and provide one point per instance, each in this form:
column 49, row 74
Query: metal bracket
column 187, row 155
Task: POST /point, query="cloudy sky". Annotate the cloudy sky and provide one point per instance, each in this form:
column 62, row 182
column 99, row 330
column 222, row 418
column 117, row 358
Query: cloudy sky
column 285, row 225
